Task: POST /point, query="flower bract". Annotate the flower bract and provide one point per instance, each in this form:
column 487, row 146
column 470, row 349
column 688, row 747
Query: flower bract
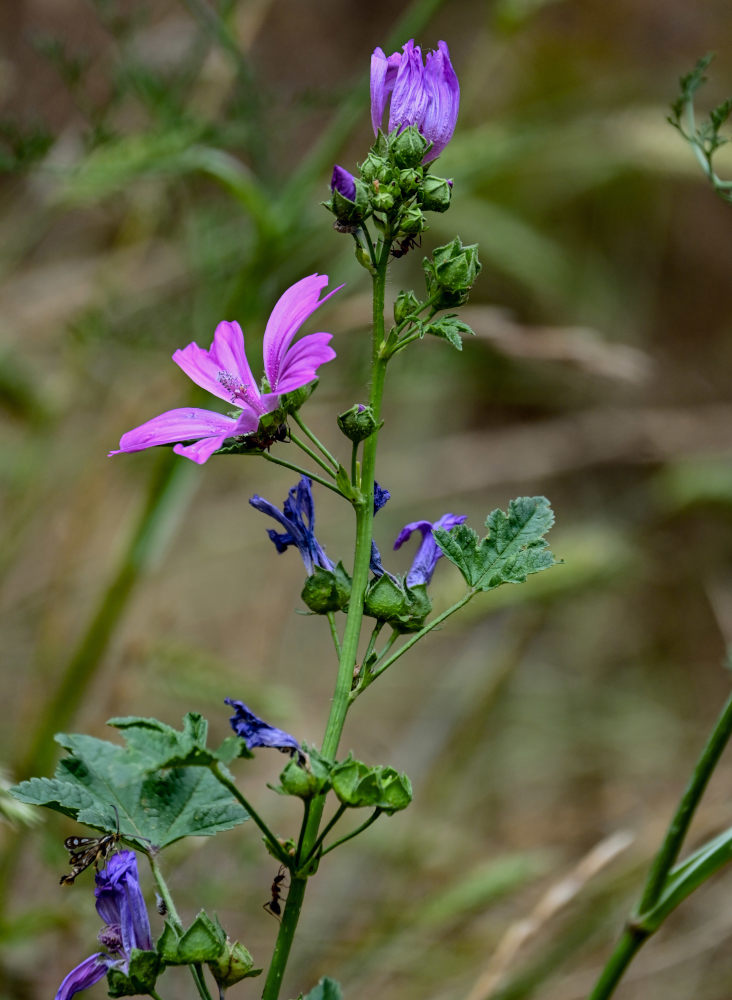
column 426, row 95
column 297, row 517
column 120, row 904
column 256, row 732
column 424, row 562
column 223, row 370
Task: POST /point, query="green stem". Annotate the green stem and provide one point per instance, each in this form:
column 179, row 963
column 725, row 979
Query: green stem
column 303, row 472
column 324, row 833
column 681, row 820
column 364, row 508
column 635, row 934
column 355, row 477
column 334, row 633
column 316, row 441
column 314, row 455
column 303, row 827
column 367, row 680
column 372, row 642
column 622, row 956
column 354, row 833
column 176, row 923
column 273, row 842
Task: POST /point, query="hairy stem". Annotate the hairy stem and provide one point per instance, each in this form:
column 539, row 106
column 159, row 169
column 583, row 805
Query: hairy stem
column 303, row 472
column 364, row 508
column 316, row 441
column 273, row 842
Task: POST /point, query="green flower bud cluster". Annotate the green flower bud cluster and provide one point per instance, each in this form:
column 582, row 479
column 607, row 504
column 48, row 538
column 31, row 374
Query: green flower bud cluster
column 355, row 784
column 359, row 786
column 393, row 186
column 392, row 601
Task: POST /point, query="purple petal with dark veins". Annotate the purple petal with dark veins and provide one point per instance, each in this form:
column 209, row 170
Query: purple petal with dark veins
column 292, row 309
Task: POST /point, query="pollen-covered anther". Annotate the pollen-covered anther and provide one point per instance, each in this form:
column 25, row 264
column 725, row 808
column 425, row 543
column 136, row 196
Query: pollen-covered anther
column 233, row 385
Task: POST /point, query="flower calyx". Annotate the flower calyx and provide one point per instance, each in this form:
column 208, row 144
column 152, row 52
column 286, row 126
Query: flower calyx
column 358, row 423
column 451, row 272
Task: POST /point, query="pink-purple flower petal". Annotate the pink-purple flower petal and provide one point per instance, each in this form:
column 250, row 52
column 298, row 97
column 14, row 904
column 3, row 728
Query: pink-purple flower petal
column 303, row 359
column 424, row 95
column 292, row 309
column 223, row 370
column 186, row 424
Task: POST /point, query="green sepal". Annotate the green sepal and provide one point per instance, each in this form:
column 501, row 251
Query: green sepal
column 411, row 222
column 350, row 213
column 233, row 964
column 514, row 547
column 376, row 167
column 406, row 304
column 449, row 328
column 392, row 601
column 327, row 590
column 451, row 272
column 434, row 194
column 409, row 180
column 140, row 978
column 327, row 989
column 203, row 941
column 359, row 786
column 306, row 776
column 407, row 148
column 358, row 423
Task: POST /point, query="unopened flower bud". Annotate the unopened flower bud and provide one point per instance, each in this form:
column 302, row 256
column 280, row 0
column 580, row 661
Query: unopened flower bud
column 451, row 273
column 349, row 199
column 409, row 147
column 375, row 167
column 358, row 423
column 382, row 200
column 435, row 193
column 406, row 304
column 409, row 180
column 411, row 222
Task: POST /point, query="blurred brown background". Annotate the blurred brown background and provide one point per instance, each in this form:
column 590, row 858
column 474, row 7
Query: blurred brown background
column 164, row 162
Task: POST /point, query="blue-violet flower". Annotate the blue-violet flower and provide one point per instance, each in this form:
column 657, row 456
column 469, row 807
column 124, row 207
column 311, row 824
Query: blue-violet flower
column 224, row 371
column 423, row 565
column 297, row 517
column 257, row 733
column 343, row 182
column 120, row 904
column 426, row 95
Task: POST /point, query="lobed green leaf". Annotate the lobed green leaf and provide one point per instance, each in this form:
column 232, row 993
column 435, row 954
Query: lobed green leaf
column 513, row 549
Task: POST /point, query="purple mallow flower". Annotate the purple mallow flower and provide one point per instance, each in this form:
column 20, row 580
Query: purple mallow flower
column 120, row 904
column 343, row 182
column 257, row 733
column 426, row 95
column 224, row 371
column 423, row 565
column 297, row 517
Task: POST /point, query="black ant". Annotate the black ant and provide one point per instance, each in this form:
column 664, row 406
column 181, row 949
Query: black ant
column 405, row 245
column 273, row 905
